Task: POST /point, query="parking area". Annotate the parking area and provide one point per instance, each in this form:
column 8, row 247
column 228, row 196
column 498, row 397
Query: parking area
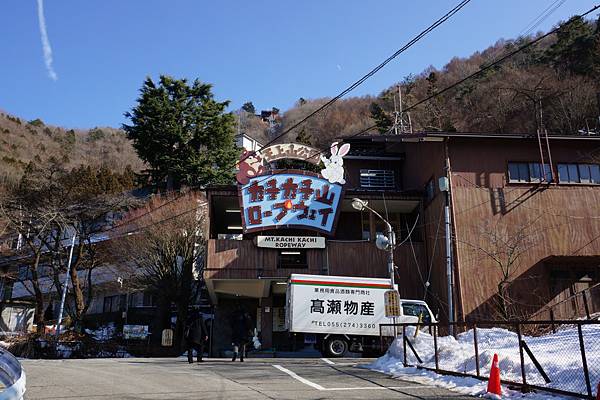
column 266, row 378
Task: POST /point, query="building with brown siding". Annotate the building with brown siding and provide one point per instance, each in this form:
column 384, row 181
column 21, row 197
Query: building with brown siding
column 499, row 200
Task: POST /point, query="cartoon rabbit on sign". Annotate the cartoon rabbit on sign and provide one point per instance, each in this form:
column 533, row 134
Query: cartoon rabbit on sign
column 334, row 165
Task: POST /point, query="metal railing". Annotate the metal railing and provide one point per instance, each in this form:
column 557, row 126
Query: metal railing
column 583, row 304
column 532, row 355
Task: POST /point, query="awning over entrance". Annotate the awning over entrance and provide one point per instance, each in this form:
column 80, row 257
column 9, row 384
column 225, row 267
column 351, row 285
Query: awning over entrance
column 253, row 288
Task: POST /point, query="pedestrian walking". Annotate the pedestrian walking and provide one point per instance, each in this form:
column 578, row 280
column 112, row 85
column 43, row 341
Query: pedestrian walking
column 195, row 335
column 241, row 327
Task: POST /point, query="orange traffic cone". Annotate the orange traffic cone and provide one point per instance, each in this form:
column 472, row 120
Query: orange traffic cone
column 494, row 389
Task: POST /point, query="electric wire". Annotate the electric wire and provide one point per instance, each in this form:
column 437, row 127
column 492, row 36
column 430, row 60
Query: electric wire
column 555, row 5
column 499, row 60
column 369, row 74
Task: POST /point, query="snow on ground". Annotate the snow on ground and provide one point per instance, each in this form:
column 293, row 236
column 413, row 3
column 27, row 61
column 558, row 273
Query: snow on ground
column 558, row 353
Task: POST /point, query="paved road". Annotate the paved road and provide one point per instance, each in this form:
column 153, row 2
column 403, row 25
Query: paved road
column 270, row 378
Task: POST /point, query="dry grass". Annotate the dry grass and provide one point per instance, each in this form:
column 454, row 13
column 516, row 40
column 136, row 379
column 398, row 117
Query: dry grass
column 22, row 142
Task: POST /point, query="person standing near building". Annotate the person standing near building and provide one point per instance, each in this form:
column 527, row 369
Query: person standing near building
column 240, row 333
column 195, row 335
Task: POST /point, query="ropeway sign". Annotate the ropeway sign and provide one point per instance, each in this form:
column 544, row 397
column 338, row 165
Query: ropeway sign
column 291, row 242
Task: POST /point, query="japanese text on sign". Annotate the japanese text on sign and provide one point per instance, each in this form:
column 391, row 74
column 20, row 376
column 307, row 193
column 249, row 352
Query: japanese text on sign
column 290, row 199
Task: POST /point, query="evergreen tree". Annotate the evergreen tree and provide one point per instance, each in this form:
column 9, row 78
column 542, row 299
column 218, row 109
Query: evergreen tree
column 183, row 134
column 577, row 48
column 383, row 121
column 304, row 137
column 249, row 108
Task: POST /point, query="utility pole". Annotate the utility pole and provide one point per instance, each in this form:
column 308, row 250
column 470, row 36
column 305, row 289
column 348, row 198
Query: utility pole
column 65, row 286
column 444, row 184
column 401, row 113
column 395, row 116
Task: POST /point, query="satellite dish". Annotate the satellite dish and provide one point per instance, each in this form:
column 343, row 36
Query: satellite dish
column 382, row 242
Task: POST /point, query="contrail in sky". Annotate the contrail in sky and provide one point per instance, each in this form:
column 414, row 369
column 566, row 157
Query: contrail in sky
column 45, row 41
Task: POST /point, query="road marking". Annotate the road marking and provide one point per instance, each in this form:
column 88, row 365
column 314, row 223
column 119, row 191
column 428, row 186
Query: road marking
column 321, row 388
column 328, row 361
column 299, row 378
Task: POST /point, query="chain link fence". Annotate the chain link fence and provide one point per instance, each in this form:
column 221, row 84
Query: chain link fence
column 558, row 356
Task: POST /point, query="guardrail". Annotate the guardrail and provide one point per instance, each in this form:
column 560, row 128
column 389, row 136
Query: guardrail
column 533, row 358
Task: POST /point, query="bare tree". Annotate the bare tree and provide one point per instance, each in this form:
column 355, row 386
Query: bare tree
column 163, row 249
column 48, row 208
column 503, row 245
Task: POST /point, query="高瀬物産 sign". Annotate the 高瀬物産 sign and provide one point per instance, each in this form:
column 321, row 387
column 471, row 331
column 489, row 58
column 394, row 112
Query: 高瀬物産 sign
column 345, row 305
column 291, row 200
column 291, row 242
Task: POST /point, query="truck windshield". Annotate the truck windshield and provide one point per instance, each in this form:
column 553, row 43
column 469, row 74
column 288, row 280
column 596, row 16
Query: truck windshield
column 414, row 309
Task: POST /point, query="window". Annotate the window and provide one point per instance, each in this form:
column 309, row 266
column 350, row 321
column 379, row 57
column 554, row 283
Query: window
column 292, row 258
column 149, row 300
column 579, row 173
column 24, row 273
column 377, row 178
column 114, row 303
column 365, row 224
column 429, row 190
column 528, row 172
column 415, row 309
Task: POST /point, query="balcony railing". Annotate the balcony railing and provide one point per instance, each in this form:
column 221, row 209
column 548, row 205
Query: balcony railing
column 242, row 259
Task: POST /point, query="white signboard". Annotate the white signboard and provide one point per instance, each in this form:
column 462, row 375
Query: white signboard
column 345, row 305
column 135, row 331
column 291, row 242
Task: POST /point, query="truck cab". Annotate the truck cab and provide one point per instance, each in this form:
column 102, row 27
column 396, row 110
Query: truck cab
column 335, row 345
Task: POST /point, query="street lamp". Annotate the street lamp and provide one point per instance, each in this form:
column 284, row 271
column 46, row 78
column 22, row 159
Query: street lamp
column 360, row 205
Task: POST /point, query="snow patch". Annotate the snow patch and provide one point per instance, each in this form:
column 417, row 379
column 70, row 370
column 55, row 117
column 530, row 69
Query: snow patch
column 558, row 354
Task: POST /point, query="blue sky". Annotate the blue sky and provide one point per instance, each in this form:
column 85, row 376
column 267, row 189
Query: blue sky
column 268, row 52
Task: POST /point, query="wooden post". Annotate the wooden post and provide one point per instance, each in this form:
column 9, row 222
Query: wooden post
column 552, row 319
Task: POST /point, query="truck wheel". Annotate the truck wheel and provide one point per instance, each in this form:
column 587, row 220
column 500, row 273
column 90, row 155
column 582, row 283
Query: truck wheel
column 335, row 347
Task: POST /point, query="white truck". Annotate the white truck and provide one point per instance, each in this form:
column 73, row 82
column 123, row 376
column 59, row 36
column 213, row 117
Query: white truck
column 343, row 313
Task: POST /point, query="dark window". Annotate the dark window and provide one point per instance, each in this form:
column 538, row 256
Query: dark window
column 24, row 273
column 579, row 173
column 292, row 258
column 429, row 190
column 365, row 225
column 7, row 288
column 528, row 172
column 573, row 172
column 595, row 173
column 377, row 178
column 149, row 300
column 114, row 303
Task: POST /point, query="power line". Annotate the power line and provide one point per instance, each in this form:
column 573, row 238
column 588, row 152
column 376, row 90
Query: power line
column 555, row 5
column 461, row 81
column 499, row 61
column 372, row 72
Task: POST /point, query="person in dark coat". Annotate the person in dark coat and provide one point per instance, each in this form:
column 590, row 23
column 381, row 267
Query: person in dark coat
column 241, row 326
column 195, row 335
